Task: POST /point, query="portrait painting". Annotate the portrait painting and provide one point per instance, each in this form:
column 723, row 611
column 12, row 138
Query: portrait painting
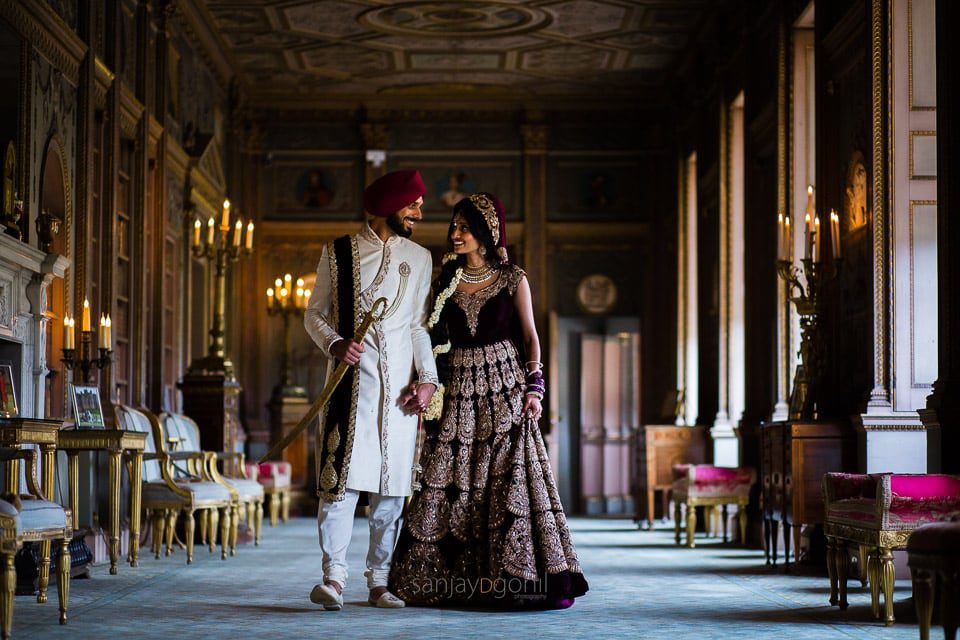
column 8, row 394
column 453, row 188
column 855, row 193
column 87, row 412
column 314, row 189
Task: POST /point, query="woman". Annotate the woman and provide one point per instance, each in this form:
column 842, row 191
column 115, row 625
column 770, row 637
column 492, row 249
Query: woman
column 487, row 528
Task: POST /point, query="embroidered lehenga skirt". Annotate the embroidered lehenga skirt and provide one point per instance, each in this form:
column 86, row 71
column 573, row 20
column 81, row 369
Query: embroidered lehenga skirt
column 487, row 528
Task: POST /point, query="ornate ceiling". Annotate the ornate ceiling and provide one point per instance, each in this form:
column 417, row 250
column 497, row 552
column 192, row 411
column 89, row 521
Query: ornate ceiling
column 518, row 49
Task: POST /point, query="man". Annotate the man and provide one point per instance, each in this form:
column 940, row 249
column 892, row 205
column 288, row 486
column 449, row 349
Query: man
column 367, row 433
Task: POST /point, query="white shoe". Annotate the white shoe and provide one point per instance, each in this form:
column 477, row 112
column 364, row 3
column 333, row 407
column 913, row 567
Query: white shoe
column 387, row 601
column 327, row 596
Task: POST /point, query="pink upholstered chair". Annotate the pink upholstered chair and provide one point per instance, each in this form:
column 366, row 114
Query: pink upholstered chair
column 705, row 485
column 275, row 476
column 878, row 512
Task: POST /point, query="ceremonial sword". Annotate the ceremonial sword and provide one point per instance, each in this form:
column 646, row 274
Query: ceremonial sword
column 375, row 313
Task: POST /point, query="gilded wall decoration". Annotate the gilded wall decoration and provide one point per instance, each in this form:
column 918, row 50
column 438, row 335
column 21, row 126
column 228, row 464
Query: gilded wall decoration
column 597, row 294
column 54, row 111
column 455, row 18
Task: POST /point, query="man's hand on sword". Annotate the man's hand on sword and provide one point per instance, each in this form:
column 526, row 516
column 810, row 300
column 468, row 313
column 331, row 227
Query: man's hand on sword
column 347, row 351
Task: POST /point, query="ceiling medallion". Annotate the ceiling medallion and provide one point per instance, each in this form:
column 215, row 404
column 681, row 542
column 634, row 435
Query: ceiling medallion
column 455, row 18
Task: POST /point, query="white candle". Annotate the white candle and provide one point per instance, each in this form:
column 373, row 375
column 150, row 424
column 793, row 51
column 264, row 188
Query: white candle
column 67, row 333
column 780, row 237
column 102, row 335
column 109, row 340
column 249, row 242
column 196, row 233
column 237, row 232
column 806, row 237
column 788, row 238
column 85, row 319
column 816, row 240
column 225, row 221
column 210, row 231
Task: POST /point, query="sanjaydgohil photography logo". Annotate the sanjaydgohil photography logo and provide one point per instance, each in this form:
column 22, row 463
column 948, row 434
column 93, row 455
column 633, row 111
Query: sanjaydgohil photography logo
column 470, row 588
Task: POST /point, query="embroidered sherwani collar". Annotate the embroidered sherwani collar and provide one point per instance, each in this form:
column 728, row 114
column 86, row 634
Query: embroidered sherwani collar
column 371, row 236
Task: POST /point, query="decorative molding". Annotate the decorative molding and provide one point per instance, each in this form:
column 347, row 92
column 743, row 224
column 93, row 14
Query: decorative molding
column 915, row 134
column 880, row 395
column 204, row 36
column 131, row 110
column 534, row 138
column 46, row 31
column 910, row 61
column 913, row 377
column 103, row 80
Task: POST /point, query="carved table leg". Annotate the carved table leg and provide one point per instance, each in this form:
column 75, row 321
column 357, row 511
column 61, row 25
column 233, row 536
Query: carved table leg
column 775, row 534
column 170, row 529
column 259, row 523
column 188, row 532
column 214, row 527
column 691, row 524
column 873, row 570
column 888, row 578
column 724, row 517
column 43, row 580
column 8, row 585
column 73, row 479
column 285, row 506
column 63, row 578
column 832, row 569
column 786, row 545
column 923, row 599
column 843, row 571
column 224, row 532
column 136, row 496
column 676, row 519
column 274, row 508
column 708, row 520
column 742, row 517
column 862, row 551
column 767, row 526
column 650, row 497
column 114, row 541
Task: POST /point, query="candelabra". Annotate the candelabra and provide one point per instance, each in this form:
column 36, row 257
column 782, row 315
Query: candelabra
column 287, row 302
column 85, row 359
column 807, row 298
column 221, row 253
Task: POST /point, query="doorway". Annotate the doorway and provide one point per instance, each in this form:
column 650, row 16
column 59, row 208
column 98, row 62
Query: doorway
column 594, row 411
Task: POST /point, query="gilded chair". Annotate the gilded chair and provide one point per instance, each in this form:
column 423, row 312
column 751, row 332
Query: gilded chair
column 36, row 520
column 172, row 484
column 276, row 479
column 249, row 493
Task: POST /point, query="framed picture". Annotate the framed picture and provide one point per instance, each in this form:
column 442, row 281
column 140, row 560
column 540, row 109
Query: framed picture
column 8, row 394
column 87, row 412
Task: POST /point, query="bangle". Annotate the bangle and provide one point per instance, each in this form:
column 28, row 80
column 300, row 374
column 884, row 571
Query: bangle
column 537, row 365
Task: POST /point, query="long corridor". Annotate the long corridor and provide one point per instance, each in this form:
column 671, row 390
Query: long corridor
column 642, row 586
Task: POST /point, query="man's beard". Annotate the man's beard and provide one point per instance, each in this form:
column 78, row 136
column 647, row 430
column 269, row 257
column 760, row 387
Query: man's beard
column 395, row 222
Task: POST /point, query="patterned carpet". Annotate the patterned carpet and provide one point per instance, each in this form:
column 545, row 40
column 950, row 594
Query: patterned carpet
column 642, row 586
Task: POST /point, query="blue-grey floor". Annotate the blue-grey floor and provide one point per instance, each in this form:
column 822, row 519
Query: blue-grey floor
column 642, row 586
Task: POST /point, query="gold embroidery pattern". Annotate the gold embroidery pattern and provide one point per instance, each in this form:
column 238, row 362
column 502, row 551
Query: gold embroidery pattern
column 334, row 485
column 401, row 289
column 489, row 487
column 472, row 303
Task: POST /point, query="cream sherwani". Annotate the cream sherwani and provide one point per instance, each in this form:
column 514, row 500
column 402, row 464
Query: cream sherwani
column 397, row 352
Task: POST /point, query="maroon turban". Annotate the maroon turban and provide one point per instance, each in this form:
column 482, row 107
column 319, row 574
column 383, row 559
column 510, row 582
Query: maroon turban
column 393, row 191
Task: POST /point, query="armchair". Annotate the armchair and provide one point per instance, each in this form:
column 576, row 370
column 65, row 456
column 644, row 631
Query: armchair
column 249, row 493
column 169, row 489
column 36, row 520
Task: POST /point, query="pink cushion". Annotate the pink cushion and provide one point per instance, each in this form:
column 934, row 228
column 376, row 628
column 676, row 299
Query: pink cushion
column 924, row 486
column 709, row 481
column 275, row 473
column 889, row 501
column 252, row 469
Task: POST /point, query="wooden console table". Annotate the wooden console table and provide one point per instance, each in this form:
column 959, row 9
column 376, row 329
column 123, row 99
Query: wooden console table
column 794, row 456
column 659, row 447
column 115, row 442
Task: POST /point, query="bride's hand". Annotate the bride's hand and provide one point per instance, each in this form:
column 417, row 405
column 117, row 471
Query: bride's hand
column 532, row 407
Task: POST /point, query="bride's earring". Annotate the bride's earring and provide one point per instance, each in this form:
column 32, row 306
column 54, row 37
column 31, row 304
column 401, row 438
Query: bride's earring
column 483, row 251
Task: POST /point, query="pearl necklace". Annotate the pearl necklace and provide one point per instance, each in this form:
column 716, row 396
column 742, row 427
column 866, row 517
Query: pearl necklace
column 476, row 276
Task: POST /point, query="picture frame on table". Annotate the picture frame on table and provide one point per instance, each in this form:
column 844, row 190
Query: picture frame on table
column 87, row 410
column 8, row 393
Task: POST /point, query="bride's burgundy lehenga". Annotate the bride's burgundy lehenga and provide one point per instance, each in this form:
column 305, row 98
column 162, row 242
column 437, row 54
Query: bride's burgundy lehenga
column 488, row 527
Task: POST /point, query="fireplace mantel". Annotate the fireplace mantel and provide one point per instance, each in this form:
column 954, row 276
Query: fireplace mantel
column 25, row 276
